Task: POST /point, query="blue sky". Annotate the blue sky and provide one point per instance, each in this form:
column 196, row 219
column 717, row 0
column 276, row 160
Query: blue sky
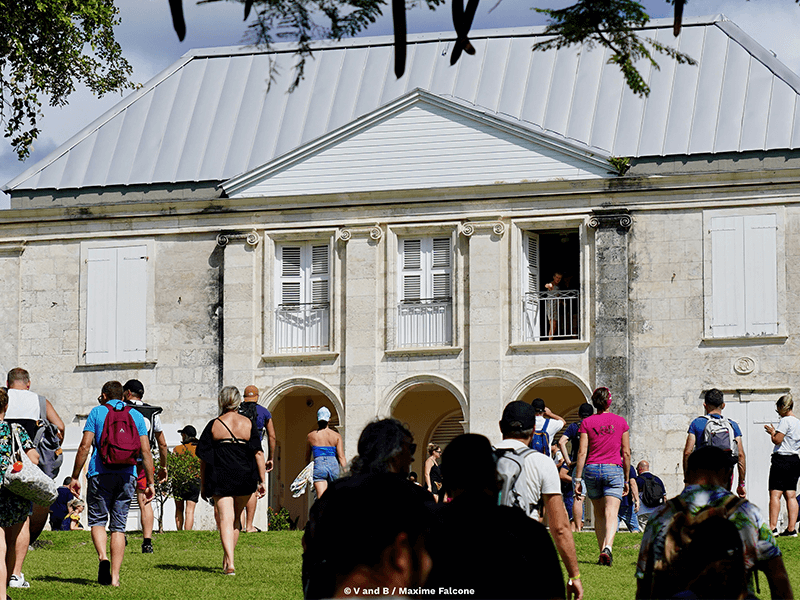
column 150, row 44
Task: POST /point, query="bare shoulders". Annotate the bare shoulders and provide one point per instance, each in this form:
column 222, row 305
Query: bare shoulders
column 239, row 425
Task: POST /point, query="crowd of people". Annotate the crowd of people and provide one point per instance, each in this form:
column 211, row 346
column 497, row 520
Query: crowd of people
column 373, row 525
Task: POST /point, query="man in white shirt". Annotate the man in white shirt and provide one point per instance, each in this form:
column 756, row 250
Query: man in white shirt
column 23, row 408
column 539, row 483
column 547, row 421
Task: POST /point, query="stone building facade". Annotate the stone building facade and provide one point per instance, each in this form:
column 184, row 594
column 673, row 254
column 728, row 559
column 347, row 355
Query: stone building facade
column 381, row 247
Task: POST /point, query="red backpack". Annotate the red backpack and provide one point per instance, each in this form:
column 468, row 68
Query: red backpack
column 120, row 445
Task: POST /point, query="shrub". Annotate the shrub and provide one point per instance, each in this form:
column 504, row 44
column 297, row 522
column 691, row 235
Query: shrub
column 279, row 521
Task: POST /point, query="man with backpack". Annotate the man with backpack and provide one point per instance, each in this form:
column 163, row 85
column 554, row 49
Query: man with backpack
column 36, row 415
column 118, row 434
column 687, row 550
column 547, row 426
column 652, row 492
column 529, row 480
column 132, row 394
column 713, row 429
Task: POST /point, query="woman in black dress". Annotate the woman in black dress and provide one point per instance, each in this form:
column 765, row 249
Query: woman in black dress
column 232, row 467
column 433, row 475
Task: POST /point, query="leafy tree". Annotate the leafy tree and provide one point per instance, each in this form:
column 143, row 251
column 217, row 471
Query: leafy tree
column 46, row 48
column 184, row 472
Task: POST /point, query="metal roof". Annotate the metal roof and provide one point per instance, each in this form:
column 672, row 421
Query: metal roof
column 213, row 115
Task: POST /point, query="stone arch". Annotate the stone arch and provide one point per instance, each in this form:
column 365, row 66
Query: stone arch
column 530, row 381
column 273, row 396
column 393, row 396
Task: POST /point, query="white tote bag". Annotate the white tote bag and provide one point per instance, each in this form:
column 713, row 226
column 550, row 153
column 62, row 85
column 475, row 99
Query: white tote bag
column 29, row 482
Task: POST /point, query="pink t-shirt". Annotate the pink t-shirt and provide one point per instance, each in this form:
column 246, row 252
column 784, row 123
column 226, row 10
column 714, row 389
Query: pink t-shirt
column 605, row 438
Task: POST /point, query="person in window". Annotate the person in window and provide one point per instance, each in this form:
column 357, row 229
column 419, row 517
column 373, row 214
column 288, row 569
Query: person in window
column 551, row 304
column 325, row 446
column 232, row 467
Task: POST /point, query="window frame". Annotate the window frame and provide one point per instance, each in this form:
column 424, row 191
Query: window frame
column 150, row 352
column 708, row 275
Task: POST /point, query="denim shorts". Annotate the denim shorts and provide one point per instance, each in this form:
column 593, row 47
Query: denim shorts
column 604, row 480
column 108, row 499
column 326, row 468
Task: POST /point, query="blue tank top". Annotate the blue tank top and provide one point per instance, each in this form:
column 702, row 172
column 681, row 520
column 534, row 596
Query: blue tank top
column 323, row 451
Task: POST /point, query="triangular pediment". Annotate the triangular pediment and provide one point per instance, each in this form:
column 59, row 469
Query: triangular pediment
column 422, row 141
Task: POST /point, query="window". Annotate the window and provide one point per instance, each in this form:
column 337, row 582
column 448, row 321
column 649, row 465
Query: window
column 425, row 313
column 116, row 304
column 744, row 275
column 550, row 298
column 302, row 317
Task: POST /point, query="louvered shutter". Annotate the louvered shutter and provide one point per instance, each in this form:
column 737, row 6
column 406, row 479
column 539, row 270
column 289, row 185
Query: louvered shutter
column 101, row 293
column 532, row 262
column 412, row 269
column 440, row 268
column 727, row 277
column 761, row 275
column 320, row 275
column 131, row 304
column 291, row 279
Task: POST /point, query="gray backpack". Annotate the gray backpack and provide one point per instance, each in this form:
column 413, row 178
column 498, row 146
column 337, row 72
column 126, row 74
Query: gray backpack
column 47, row 443
column 719, row 433
column 509, row 468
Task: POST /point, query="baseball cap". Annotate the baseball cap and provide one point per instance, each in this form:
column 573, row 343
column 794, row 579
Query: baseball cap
column 189, row 431
column 135, row 387
column 538, row 405
column 585, row 410
column 519, row 412
column 323, row 414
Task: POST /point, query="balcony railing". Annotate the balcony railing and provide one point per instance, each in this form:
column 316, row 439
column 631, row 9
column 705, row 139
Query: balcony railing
column 302, row 327
column 425, row 323
column 550, row 315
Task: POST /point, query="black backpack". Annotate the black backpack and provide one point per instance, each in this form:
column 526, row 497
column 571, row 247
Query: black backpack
column 47, row 443
column 149, row 413
column 652, row 491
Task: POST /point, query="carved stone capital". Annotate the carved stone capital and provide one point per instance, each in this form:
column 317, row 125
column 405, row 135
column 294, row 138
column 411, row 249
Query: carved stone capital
column 619, row 219
column 468, row 228
column 252, row 238
column 375, row 232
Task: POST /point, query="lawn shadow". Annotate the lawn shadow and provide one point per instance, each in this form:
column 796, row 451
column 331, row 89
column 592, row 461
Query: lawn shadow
column 75, row 580
column 168, row 567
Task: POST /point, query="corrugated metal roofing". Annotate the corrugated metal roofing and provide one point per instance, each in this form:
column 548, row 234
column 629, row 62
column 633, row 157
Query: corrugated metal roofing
column 212, row 116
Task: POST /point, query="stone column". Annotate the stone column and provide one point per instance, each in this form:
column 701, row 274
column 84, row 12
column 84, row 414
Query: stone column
column 611, row 288
column 361, row 329
column 487, row 318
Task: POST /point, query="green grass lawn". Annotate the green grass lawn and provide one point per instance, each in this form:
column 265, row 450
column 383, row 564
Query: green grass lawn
column 187, row 565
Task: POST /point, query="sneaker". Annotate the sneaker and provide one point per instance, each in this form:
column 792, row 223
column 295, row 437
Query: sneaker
column 775, row 531
column 18, row 582
column 147, row 548
column 786, row 533
column 606, row 557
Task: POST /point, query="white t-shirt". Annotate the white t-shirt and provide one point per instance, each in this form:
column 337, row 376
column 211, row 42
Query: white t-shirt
column 541, row 477
column 790, row 428
column 22, row 404
column 553, row 427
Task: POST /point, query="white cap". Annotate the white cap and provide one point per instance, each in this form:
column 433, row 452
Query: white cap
column 323, row 414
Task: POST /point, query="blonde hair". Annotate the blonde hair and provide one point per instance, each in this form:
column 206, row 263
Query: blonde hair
column 76, row 503
column 229, row 399
column 785, row 403
column 433, row 448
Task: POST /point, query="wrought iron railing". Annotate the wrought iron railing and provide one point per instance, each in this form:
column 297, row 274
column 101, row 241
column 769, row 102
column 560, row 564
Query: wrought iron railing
column 425, row 322
column 302, row 327
column 551, row 315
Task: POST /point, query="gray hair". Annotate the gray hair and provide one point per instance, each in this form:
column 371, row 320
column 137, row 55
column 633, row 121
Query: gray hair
column 229, row 399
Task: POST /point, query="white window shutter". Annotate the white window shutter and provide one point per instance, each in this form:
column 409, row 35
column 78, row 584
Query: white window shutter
column 761, row 275
column 440, row 268
column 291, row 275
column 532, row 262
column 131, row 304
column 320, row 274
column 101, row 285
column 412, row 269
column 727, row 274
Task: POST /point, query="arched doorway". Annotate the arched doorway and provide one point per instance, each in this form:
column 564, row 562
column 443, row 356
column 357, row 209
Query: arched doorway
column 294, row 414
column 561, row 396
column 433, row 414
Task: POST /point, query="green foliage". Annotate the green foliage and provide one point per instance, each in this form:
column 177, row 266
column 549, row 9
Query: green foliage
column 279, row 521
column 183, row 471
column 46, row 48
column 615, row 24
column 620, row 164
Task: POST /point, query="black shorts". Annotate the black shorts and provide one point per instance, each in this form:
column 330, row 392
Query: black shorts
column 191, row 493
column 784, row 472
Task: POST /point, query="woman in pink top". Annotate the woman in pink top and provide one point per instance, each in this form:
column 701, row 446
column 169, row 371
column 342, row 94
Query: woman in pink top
column 604, row 457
